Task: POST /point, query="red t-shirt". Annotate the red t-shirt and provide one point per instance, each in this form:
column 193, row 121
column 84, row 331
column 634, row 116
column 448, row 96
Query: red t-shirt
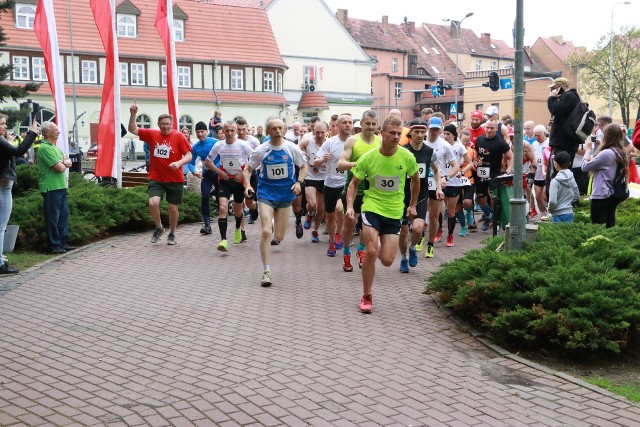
column 475, row 133
column 163, row 151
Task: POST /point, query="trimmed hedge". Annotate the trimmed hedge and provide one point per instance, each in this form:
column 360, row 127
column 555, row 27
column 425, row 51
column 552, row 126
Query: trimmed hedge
column 94, row 211
column 627, row 214
column 576, row 289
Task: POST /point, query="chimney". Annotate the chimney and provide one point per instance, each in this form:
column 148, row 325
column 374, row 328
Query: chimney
column 411, row 28
column 343, row 16
column 558, row 39
column 486, row 38
column 385, row 24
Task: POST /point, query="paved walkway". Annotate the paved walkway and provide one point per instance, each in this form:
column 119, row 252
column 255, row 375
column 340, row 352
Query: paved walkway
column 128, row 333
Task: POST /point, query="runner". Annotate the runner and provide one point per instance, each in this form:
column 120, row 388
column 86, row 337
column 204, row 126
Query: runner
column 353, row 149
column 234, row 155
column 200, row 150
column 468, row 192
column 277, row 187
column 454, row 186
column 244, row 134
column 314, row 182
column 539, row 179
column 386, row 169
column 334, row 181
column 429, row 175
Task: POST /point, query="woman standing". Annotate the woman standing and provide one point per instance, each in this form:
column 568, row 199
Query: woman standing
column 8, row 176
column 604, row 164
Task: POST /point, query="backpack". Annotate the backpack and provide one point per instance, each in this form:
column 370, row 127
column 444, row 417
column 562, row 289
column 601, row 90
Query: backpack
column 620, row 187
column 580, row 122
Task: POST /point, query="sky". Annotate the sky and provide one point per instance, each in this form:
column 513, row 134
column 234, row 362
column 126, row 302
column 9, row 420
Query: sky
column 582, row 22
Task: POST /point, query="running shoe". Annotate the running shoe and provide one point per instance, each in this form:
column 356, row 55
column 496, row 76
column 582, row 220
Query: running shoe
column 206, row 230
column 347, row 267
column 450, row 241
column 413, row 257
column 237, row 236
column 366, row 304
column 463, row 231
column 266, row 279
column 244, row 236
column 332, row 249
column 545, row 216
column 253, row 215
column 361, row 255
column 156, row 234
column 438, row 236
column 314, row 236
column 486, row 224
column 171, row 239
column 404, row 265
column 429, row 252
column 274, row 242
column 299, row 231
column 222, row 246
column 339, row 243
column 419, row 245
column 470, row 219
column 307, row 222
column 473, row 227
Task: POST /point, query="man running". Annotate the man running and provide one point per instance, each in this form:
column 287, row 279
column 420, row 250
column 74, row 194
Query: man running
column 208, row 178
column 353, row 149
column 386, row 170
column 234, row 155
column 314, row 182
column 169, row 151
column 455, row 184
column 277, row 187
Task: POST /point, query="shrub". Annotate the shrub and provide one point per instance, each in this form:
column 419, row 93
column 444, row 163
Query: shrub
column 94, row 211
column 627, row 214
column 577, row 288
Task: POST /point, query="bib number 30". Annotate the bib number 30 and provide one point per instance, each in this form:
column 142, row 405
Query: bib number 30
column 387, row 183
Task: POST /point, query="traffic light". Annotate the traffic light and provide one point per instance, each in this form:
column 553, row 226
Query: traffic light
column 441, row 87
column 494, row 81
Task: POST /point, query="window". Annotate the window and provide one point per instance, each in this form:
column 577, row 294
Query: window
column 421, row 71
column 178, row 30
column 163, row 77
column 374, row 58
column 413, row 65
column 143, row 121
column 435, row 51
column 394, row 65
column 89, row 72
column 127, row 26
column 20, row 68
column 184, row 76
column 25, row 15
column 398, row 90
column 38, row 70
column 494, row 65
column 267, row 78
column 309, row 76
column 279, row 87
column 237, row 80
column 478, row 64
column 425, row 50
column 480, row 107
column 137, row 74
column 185, row 121
column 124, row 73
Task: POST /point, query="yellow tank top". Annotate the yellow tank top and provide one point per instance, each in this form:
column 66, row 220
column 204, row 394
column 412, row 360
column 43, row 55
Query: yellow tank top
column 359, row 148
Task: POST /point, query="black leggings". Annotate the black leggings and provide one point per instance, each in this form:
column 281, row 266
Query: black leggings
column 603, row 211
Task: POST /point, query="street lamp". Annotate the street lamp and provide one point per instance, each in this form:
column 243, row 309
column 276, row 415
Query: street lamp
column 611, row 59
column 457, row 24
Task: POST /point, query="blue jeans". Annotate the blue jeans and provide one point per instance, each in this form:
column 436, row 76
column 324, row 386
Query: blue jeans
column 56, row 218
column 6, row 203
column 562, row 218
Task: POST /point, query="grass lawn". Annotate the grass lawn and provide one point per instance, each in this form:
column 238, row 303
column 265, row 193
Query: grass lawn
column 25, row 259
column 630, row 391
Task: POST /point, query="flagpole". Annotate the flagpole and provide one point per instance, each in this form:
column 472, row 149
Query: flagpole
column 73, row 82
column 116, row 98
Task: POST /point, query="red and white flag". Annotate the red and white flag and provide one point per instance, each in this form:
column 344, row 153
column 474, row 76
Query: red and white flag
column 164, row 26
column 45, row 30
column 108, row 162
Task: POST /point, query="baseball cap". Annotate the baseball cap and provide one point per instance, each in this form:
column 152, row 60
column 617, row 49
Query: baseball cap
column 435, row 122
column 492, row 111
column 560, row 81
column 476, row 114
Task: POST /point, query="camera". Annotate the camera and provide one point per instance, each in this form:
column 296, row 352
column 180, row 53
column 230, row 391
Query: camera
column 593, row 138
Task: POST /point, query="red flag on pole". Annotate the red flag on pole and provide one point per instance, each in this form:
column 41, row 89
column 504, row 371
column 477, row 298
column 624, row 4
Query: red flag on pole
column 44, row 27
column 164, row 26
column 109, row 159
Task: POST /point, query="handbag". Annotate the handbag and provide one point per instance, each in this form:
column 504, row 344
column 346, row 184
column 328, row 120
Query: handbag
column 620, row 187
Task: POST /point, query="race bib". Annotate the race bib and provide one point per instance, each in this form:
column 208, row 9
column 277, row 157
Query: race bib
column 447, row 166
column 464, row 181
column 277, row 171
column 422, row 169
column 231, row 164
column 162, row 151
column 339, row 171
column 431, row 184
column 483, row 172
column 539, row 160
column 387, row 183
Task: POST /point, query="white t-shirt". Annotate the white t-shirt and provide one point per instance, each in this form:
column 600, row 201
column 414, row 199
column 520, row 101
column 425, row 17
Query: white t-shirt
column 233, row 156
column 538, row 151
column 319, row 173
column 443, row 153
column 333, row 146
column 459, row 150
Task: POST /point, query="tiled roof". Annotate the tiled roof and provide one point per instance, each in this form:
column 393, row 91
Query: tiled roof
column 229, row 34
column 370, row 35
column 561, row 48
column 313, row 101
column 469, row 42
column 261, row 4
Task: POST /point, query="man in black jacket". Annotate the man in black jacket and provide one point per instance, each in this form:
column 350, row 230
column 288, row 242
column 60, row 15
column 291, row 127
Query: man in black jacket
column 561, row 102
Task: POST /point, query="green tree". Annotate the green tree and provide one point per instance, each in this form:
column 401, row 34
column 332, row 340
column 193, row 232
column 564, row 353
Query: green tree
column 14, row 92
column 594, row 67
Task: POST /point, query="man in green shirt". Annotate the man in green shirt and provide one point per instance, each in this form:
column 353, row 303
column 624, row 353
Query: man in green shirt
column 386, row 169
column 52, row 165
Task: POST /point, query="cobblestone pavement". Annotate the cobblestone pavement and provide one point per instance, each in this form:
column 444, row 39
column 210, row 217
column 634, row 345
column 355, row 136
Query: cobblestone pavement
column 125, row 332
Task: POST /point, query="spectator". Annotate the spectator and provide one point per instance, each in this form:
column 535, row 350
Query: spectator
column 560, row 103
column 260, row 134
column 215, row 122
column 563, row 192
column 132, row 149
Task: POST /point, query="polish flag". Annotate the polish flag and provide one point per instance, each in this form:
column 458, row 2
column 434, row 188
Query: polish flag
column 44, row 27
column 321, row 69
column 108, row 162
column 164, row 26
